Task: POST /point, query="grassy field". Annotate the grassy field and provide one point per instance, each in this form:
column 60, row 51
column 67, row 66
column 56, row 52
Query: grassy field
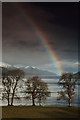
column 39, row 112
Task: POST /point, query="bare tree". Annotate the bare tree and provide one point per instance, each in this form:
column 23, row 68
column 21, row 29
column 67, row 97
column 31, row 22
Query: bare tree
column 37, row 89
column 10, row 81
column 68, row 81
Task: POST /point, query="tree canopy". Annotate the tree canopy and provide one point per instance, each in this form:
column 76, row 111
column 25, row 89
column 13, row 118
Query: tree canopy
column 37, row 89
column 68, row 82
column 10, row 81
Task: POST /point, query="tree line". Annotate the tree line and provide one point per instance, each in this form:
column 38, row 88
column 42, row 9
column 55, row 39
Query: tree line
column 35, row 88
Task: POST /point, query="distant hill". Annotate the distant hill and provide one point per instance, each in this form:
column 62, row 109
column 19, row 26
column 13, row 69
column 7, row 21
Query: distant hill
column 77, row 74
column 30, row 71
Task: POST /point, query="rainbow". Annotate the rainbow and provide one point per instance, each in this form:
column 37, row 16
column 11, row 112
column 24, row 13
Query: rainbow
column 51, row 52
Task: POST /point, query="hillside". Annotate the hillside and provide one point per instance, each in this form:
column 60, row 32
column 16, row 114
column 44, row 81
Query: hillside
column 39, row 112
column 29, row 70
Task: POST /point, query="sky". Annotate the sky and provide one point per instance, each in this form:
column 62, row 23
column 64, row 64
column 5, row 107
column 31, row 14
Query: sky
column 42, row 34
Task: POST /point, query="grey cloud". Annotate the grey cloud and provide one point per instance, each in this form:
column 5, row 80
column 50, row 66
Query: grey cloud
column 21, row 42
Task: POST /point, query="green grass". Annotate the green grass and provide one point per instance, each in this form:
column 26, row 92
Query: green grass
column 39, row 112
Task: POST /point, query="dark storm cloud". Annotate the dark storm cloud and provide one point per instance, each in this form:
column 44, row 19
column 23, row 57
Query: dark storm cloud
column 58, row 22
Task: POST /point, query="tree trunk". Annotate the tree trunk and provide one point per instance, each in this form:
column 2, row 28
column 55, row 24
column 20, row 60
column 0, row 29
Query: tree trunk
column 14, row 92
column 12, row 100
column 33, row 101
column 69, row 95
column 12, row 96
column 69, row 102
column 8, row 99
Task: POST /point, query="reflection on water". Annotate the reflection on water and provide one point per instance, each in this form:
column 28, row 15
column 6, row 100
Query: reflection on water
column 51, row 101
